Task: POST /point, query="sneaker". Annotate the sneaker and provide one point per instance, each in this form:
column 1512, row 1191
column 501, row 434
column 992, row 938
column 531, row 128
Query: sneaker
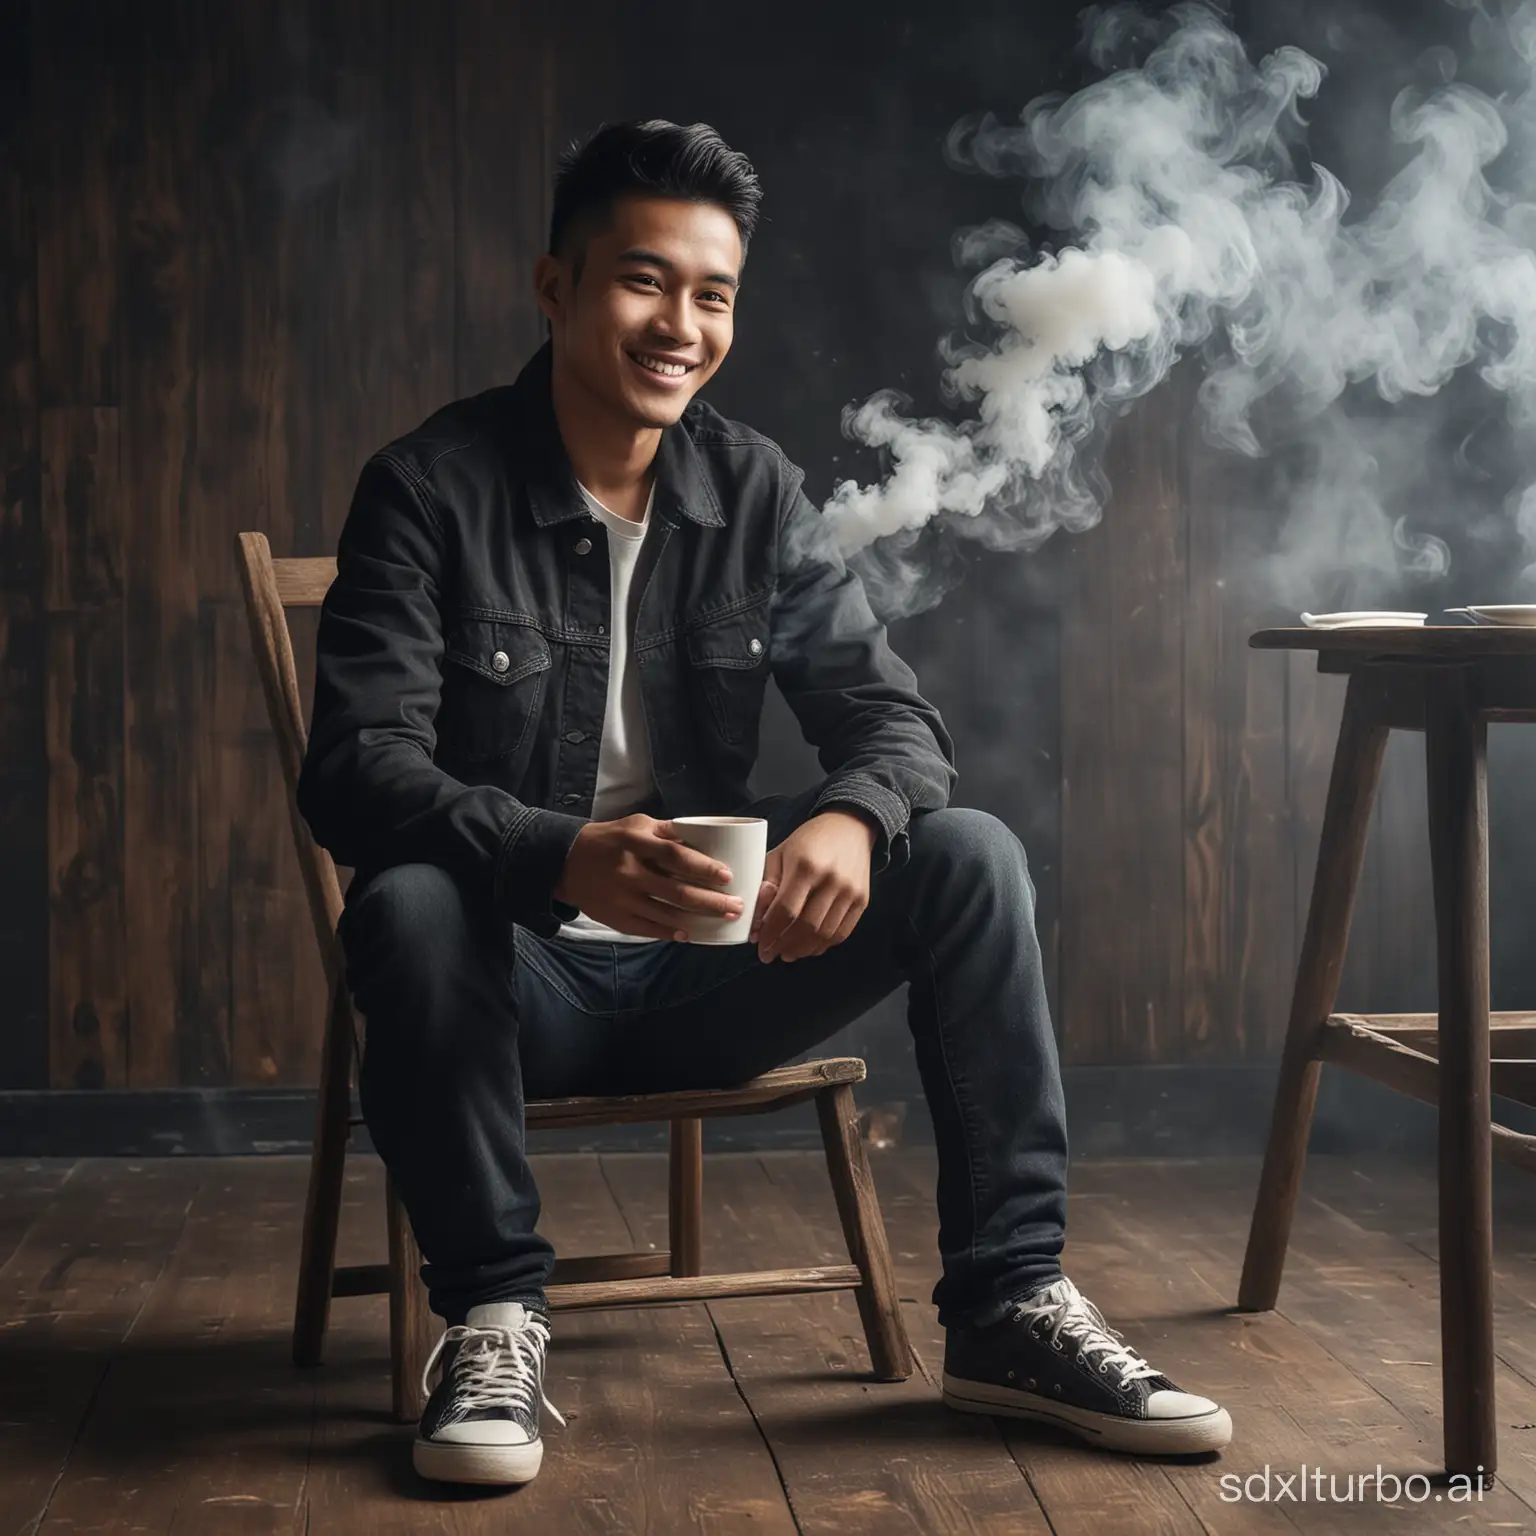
column 481, row 1423
column 1055, row 1359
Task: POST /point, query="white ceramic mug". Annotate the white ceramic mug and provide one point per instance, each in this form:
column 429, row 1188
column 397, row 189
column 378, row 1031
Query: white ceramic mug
column 741, row 844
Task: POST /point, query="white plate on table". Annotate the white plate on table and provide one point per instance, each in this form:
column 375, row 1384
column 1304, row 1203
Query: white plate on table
column 1365, row 619
column 1522, row 615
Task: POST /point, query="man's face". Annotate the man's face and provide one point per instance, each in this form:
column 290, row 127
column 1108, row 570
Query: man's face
column 652, row 315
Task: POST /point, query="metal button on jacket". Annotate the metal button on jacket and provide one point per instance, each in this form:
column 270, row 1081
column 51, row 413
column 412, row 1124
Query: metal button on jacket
column 569, row 799
column 575, row 737
column 583, row 546
column 756, row 647
column 501, row 661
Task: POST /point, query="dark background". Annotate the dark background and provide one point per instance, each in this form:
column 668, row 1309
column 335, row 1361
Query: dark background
column 241, row 246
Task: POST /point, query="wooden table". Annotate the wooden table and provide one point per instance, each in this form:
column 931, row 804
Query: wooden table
column 1448, row 683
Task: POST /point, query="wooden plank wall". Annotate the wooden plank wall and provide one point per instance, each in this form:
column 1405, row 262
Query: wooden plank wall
column 1194, row 773
column 243, row 245
column 240, row 247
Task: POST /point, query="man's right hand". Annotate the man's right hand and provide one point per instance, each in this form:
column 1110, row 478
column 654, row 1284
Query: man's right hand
column 624, row 873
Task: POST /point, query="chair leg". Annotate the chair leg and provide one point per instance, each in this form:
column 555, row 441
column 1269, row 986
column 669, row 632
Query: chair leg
column 685, row 1196
column 1456, row 745
column 412, row 1327
column 1346, row 819
column 890, row 1351
column 327, row 1164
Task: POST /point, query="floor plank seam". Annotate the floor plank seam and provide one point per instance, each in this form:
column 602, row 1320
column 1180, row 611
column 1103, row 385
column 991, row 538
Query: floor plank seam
column 42, row 1211
column 1178, row 1492
column 618, row 1205
column 85, row 1419
column 1029, row 1481
column 773, row 1455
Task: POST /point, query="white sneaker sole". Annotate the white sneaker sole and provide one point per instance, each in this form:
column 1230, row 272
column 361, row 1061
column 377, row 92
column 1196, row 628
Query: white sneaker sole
column 1141, row 1437
column 445, row 1462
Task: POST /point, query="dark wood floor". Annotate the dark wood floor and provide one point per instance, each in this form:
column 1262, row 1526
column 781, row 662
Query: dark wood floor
column 145, row 1383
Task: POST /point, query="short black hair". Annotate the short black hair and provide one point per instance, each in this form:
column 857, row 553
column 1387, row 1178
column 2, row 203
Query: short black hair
column 654, row 158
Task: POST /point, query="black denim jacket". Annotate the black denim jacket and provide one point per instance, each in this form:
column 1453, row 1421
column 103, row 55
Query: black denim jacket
column 462, row 665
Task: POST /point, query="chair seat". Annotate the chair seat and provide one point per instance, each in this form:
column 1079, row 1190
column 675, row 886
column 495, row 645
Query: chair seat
column 773, row 1090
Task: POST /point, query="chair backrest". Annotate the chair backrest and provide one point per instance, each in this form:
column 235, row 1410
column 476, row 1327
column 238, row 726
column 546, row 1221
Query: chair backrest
column 271, row 588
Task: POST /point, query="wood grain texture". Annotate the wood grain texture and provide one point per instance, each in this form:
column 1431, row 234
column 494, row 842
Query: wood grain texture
column 69, row 1294
column 1346, row 820
column 858, row 1208
column 1356, row 1324
column 27, row 1189
column 1411, row 1067
column 1372, row 1209
column 177, row 1035
column 1240, row 924
column 855, row 1455
column 203, row 1460
column 1456, row 749
column 268, row 1000
column 1122, row 842
column 685, row 1195
column 503, row 182
column 1450, row 642
column 659, row 1439
column 78, row 109
column 570, row 76
column 1367, row 1306
column 83, row 511
column 739, row 1416
column 79, row 127
column 24, row 963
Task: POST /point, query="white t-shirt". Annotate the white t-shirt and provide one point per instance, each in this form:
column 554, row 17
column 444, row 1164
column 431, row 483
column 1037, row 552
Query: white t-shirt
column 624, row 776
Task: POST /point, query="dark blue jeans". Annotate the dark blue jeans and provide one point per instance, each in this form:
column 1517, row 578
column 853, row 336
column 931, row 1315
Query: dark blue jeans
column 468, row 1017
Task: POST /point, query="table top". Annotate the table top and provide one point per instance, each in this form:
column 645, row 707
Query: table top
column 1428, row 642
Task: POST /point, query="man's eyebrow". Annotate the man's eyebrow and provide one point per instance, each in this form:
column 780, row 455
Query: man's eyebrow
column 656, row 259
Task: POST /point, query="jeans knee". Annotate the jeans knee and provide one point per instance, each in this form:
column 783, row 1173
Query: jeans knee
column 407, row 923
column 974, row 845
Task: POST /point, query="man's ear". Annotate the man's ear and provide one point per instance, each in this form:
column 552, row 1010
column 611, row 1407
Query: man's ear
column 549, row 286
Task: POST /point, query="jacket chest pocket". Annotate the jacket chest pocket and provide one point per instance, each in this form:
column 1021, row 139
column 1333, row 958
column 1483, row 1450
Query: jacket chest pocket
column 493, row 687
column 728, row 662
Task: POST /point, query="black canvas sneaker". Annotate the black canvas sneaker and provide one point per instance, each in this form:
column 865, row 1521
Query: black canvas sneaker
column 1056, row 1360
column 481, row 1423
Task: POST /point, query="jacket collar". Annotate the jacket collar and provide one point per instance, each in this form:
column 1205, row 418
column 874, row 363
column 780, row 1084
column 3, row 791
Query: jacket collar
column 681, row 484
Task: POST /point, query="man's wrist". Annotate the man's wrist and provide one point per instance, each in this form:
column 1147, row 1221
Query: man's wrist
column 866, row 819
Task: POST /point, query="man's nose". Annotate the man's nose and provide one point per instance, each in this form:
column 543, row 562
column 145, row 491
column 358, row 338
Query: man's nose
column 678, row 322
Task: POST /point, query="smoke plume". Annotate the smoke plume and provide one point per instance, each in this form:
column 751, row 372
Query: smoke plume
column 1188, row 216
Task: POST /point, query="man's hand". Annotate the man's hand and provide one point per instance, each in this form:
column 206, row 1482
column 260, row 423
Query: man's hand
column 624, row 873
column 815, row 887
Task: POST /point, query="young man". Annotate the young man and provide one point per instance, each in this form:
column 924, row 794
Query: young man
column 557, row 607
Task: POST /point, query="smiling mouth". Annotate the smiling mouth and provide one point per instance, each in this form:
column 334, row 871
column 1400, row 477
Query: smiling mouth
column 661, row 367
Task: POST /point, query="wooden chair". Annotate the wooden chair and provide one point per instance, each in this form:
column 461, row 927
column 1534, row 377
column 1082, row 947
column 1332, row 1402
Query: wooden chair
column 605, row 1280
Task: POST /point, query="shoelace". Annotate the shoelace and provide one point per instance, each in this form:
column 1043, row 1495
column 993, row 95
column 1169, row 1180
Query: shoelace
column 1067, row 1311
column 496, row 1367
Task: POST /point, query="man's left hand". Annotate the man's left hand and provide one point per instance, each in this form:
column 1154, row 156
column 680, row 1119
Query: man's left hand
column 815, row 887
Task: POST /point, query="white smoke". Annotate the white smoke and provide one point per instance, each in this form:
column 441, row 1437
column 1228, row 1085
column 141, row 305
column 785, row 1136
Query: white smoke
column 1186, row 223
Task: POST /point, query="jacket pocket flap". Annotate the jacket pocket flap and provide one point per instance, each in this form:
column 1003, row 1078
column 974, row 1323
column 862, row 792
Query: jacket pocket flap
column 502, row 652
column 736, row 640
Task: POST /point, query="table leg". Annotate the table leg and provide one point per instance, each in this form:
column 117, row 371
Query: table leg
column 1346, row 818
column 1456, row 747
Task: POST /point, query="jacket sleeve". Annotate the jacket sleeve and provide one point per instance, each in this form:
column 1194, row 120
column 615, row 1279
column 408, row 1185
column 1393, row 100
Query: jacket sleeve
column 368, row 787
column 884, row 748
